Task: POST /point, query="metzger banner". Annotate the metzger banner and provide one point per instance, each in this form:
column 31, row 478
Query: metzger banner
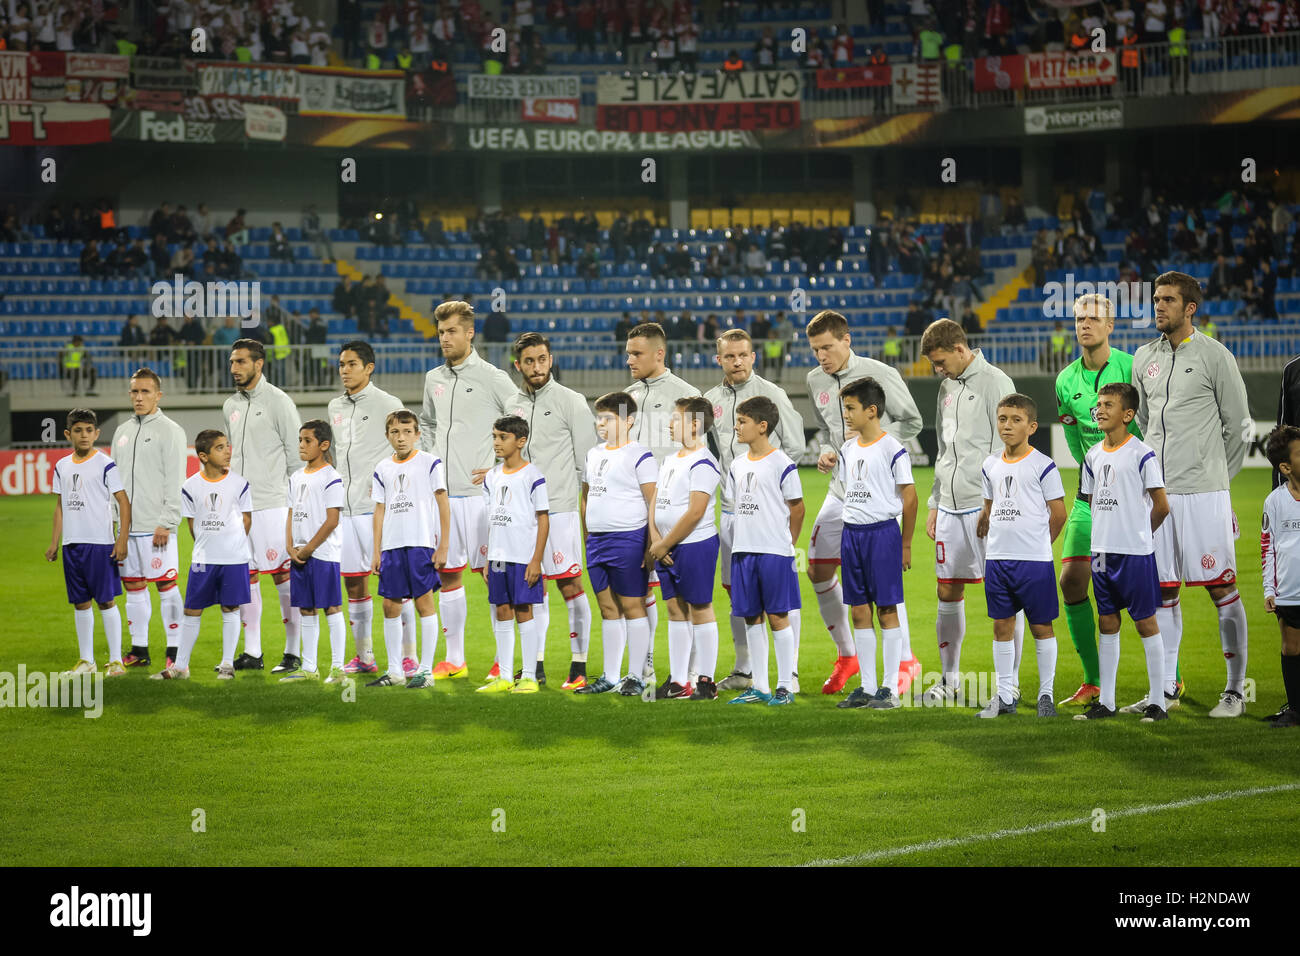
column 682, row 102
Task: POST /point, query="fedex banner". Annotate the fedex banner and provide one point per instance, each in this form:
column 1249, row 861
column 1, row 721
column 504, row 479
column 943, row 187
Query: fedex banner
column 29, row 472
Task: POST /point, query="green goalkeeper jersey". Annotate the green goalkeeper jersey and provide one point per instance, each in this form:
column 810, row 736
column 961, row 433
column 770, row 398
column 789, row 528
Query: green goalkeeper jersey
column 1076, row 399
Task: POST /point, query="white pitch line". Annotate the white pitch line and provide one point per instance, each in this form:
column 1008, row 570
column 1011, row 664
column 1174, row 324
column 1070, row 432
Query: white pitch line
column 876, row 855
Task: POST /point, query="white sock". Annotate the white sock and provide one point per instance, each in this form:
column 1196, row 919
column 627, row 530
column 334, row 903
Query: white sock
column 1154, row 649
column 1045, row 654
column 393, row 646
column 251, row 615
column 529, row 632
column 1003, row 657
column 906, row 651
column 172, row 606
column 1108, row 658
column 1018, row 640
column 289, row 616
column 85, row 621
column 504, row 631
column 428, row 641
column 1232, row 638
column 783, row 644
column 891, row 640
column 756, row 638
column 229, row 636
column 704, row 638
column 542, row 617
column 865, row 638
column 1169, row 619
column 679, row 651
column 112, row 619
column 950, row 626
column 652, row 628
column 613, row 637
column 579, row 626
column 796, row 625
column 309, row 633
column 362, row 614
column 740, row 638
column 139, row 610
column 454, row 611
column 638, row 645
column 338, row 638
column 830, row 601
column 410, row 646
column 189, row 637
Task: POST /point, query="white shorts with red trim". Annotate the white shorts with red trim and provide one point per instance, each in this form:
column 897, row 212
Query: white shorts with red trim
column 1195, row 543
column 358, row 535
column 726, row 528
column 266, row 537
column 467, row 536
column 144, row 562
column 958, row 551
column 563, row 557
column 824, row 545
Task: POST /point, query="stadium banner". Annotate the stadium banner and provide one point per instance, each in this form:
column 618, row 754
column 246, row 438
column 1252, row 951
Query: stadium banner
column 536, row 109
column 759, row 86
column 15, row 85
column 1058, row 71
column 162, row 73
column 1074, row 118
column 324, row 91
column 160, row 101
column 264, row 122
column 53, row 124
column 994, row 73
column 853, row 77
column 485, row 87
column 148, row 126
column 205, row 109
column 917, row 84
column 93, row 90
column 250, row 81
column 48, row 76
column 542, row 139
column 29, row 472
column 109, row 66
column 691, row 117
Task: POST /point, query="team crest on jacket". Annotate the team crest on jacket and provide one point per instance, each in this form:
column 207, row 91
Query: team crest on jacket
column 234, row 417
column 438, row 390
column 121, row 442
column 824, row 398
column 1153, row 370
column 338, row 418
column 947, row 401
column 717, row 413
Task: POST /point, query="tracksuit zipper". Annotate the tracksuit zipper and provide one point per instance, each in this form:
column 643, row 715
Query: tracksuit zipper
column 451, row 409
column 1164, row 435
column 351, row 436
column 135, row 450
column 956, row 428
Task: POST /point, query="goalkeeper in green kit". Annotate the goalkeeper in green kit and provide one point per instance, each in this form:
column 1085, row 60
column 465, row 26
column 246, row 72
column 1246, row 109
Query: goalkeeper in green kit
column 1076, row 400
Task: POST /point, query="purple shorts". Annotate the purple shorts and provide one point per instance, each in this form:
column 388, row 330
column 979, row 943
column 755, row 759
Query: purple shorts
column 691, row 574
column 871, row 564
column 1029, row 586
column 315, row 584
column 1126, row 582
column 224, row 584
column 407, row 573
column 90, row 573
column 614, row 561
column 763, row 583
column 507, row 585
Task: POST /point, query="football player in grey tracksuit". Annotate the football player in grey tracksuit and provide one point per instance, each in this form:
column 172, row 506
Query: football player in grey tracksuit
column 262, row 423
column 837, row 366
column 561, row 430
column 656, row 391
column 1193, row 412
column 739, row 381
column 150, row 451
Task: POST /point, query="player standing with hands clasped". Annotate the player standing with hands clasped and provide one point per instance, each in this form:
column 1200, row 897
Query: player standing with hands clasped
column 1279, row 546
column 1024, row 511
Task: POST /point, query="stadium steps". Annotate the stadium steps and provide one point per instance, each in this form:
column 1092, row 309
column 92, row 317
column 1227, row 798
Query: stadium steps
column 987, row 310
column 396, row 296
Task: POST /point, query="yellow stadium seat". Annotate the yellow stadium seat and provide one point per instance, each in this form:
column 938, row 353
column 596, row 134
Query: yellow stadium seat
column 760, row 217
column 699, row 218
column 824, row 214
column 739, row 217
column 840, row 216
column 801, row 215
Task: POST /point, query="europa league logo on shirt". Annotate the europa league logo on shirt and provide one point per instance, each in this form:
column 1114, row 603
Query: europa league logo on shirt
column 859, row 469
column 302, row 493
column 1107, row 475
column 600, row 470
column 749, row 482
column 402, row 482
column 76, row 483
column 214, row 502
column 503, row 495
column 1008, row 486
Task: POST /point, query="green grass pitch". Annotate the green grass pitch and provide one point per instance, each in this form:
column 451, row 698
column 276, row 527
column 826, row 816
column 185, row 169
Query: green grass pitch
column 296, row 775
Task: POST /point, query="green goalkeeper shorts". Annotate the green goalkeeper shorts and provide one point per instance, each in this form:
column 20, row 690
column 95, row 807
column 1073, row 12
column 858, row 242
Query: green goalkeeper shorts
column 1078, row 533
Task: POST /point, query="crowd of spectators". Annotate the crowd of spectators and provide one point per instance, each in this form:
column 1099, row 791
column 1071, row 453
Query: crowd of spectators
column 368, row 302
column 58, row 25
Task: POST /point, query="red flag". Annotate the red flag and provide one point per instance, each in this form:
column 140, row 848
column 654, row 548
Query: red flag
column 999, row 73
column 851, row 77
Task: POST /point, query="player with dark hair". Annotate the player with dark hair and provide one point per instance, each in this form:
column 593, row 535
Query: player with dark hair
column 1279, row 546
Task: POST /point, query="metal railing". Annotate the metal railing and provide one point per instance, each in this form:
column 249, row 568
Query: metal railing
column 589, row 362
column 1216, row 65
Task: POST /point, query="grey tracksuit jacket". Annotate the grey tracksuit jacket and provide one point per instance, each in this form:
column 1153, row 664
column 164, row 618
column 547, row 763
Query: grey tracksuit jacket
column 966, row 423
column 655, row 398
column 150, row 452
column 263, row 424
column 1193, row 412
column 360, row 442
column 561, row 430
column 460, row 405
column 724, row 398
